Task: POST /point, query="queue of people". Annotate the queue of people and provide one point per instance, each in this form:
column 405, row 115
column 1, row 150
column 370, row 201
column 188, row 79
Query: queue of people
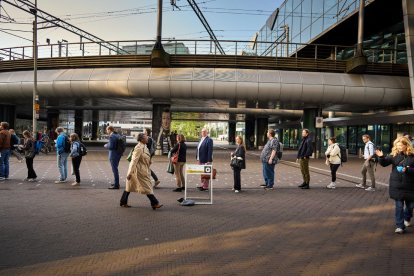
column 401, row 158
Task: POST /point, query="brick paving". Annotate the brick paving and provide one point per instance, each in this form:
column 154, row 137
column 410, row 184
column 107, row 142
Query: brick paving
column 56, row 229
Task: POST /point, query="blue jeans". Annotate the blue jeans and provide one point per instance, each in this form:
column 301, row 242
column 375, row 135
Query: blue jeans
column 268, row 174
column 402, row 213
column 62, row 164
column 4, row 163
column 114, row 160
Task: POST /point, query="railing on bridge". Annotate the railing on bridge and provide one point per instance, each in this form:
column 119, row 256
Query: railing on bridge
column 207, row 47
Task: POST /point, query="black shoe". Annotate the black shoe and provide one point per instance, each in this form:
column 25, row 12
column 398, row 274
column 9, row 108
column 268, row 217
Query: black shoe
column 306, row 186
column 303, row 185
column 202, row 189
column 263, row 185
column 114, row 188
column 177, row 190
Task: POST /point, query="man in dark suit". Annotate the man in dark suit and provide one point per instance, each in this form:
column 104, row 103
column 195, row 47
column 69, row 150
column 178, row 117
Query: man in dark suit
column 204, row 155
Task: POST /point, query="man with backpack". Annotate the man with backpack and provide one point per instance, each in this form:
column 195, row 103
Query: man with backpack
column 115, row 149
column 368, row 166
column 151, row 147
column 62, row 151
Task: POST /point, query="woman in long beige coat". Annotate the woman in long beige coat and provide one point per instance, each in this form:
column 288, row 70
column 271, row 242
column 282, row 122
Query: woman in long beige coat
column 138, row 177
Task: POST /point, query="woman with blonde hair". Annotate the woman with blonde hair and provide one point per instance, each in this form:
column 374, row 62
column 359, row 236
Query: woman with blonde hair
column 138, row 176
column 401, row 183
column 180, row 149
column 240, row 154
column 29, row 153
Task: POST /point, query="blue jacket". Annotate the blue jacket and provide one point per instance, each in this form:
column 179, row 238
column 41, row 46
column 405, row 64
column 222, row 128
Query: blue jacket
column 113, row 145
column 60, row 143
column 205, row 153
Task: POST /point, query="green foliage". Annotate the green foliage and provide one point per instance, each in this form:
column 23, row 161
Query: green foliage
column 190, row 129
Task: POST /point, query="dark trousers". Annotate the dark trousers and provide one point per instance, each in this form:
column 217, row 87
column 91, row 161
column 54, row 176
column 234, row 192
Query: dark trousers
column 114, row 160
column 154, row 176
column 76, row 161
column 125, row 195
column 30, row 171
column 334, row 168
column 237, row 179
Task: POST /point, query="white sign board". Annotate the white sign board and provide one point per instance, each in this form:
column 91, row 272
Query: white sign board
column 203, row 171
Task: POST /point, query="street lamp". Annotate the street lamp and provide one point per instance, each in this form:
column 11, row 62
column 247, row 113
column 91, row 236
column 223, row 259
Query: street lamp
column 35, row 96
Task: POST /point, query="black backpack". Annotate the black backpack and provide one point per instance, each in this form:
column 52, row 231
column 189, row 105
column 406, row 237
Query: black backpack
column 67, row 144
column 82, row 149
column 280, row 150
column 343, row 154
column 121, row 144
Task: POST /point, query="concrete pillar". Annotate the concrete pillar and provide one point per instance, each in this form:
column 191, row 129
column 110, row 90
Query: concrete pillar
column 330, row 130
column 95, row 124
column 52, row 122
column 250, row 122
column 232, row 123
column 408, row 13
column 8, row 114
column 261, row 127
column 79, row 123
column 161, row 127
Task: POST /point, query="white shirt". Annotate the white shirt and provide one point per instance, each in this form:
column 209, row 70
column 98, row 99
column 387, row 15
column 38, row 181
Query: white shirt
column 368, row 150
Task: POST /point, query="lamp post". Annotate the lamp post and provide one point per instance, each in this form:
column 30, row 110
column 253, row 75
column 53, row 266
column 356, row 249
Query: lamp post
column 35, row 96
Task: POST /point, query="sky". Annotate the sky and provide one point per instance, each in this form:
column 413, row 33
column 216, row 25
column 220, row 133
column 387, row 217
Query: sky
column 136, row 20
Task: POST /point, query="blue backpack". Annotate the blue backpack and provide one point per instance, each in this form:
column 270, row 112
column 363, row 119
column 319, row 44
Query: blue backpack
column 38, row 146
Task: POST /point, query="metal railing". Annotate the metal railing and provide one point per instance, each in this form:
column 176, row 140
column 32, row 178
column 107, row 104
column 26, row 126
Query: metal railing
column 207, row 47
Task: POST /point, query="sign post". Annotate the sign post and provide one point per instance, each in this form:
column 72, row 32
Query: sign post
column 202, row 170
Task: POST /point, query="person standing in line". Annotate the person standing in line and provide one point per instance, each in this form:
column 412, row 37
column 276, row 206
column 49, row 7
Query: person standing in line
column 333, row 159
column 368, row 165
column 76, row 157
column 62, row 155
column 204, row 156
column 269, row 159
column 29, row 152
column 4, row 150
column 151, row 147
column 138, row 176
column 181, row 148
column 304, row 153
column 239, row 153
column 409, row 137
column 401, row 181
column 14, row 143
column 114, row 155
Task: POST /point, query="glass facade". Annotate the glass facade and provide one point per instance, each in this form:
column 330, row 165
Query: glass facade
column 301, row 21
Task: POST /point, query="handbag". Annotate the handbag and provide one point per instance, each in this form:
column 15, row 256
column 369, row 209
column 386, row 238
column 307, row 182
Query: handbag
column 174, row 158
column 236, row 163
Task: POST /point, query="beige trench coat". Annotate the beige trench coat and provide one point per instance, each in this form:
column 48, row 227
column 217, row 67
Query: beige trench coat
column 139, row 169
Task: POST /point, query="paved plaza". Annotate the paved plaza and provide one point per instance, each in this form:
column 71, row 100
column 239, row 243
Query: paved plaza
column 57, row 229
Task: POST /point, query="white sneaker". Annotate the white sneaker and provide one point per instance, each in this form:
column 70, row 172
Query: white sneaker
column 2, row 178
column 399, row 231
column 31, row 179
column 407, row 223
column 331, row 185
column 370, row 189
column 75, row 184
column 236, row 191
column 361, row 186
column 60, row 181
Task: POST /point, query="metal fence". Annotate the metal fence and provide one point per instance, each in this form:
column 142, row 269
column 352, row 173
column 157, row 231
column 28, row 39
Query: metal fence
column 207, row 47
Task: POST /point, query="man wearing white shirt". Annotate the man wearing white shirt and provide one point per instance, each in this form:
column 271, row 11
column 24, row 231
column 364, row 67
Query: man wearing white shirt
column 368, row 165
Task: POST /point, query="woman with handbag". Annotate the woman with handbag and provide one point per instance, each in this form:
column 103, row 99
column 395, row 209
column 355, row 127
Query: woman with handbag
column 28, row 148
column 178, row 159
column 238, row 163
column 333, row 160
column 138, row 176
